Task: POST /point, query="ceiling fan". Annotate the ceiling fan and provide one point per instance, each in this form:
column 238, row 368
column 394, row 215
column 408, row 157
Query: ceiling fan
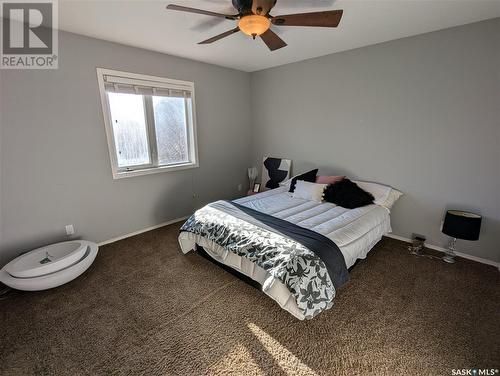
column 254, row 19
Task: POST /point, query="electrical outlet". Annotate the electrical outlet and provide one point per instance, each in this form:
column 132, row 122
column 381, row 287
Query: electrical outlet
column 70, row 229
column 240, row 187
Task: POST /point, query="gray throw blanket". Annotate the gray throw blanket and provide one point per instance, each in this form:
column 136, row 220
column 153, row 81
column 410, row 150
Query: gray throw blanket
column 309, row 264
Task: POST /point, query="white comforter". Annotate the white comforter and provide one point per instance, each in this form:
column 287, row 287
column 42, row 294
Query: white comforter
column 355, row 231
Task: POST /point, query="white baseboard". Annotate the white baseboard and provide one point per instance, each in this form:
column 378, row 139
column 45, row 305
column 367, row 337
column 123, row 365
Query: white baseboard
column 143, row 230
column 393, row 236
column 442, row 249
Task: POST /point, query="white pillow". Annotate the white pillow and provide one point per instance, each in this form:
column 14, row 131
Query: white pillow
column 384, row 195
column 392, row 198
column 309, row 191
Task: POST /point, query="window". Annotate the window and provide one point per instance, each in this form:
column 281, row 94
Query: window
column 150, row 123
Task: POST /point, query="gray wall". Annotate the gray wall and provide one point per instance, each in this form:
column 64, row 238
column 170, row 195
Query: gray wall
column 55, row 167
column 420, row 114
column 1, row 175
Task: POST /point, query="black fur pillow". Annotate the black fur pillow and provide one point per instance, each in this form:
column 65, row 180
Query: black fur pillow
column 347, row 194
column 309, row 176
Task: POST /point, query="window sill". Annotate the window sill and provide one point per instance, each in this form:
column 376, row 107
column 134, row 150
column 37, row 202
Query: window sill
column 153, row 170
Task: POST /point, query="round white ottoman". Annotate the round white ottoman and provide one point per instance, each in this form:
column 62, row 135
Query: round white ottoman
column 50, row 266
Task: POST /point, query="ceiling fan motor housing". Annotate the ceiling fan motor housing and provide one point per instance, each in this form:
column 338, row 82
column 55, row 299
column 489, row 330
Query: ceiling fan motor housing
column 263, row 7
column 243, row 6
column 259, row 7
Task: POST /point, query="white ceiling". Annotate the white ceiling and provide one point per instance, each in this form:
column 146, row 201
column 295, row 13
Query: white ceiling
column 147, row 24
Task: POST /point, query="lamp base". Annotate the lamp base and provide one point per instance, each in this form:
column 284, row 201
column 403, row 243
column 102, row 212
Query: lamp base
column 450, row 259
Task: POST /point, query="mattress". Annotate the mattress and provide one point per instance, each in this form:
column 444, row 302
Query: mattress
column 355, row 231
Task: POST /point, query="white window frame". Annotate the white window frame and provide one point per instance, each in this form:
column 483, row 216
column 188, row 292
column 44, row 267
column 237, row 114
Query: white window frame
column 160, row 82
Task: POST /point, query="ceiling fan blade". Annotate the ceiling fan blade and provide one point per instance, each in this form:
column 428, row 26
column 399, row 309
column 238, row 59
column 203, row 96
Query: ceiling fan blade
column 329, row 18
column 220, row 36
column 201, row 11
column 273, row 41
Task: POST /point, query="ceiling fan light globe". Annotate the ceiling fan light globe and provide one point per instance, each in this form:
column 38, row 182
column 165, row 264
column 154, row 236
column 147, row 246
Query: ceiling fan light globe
column 254, row 25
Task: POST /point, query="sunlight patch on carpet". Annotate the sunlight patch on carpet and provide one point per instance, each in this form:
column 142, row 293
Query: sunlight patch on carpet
column 284, row 358
column 239, row 360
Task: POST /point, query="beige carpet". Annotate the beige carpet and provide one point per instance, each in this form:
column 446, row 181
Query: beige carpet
column 144, row 308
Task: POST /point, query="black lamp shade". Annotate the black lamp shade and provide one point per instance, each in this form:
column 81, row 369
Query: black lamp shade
column 462, row 225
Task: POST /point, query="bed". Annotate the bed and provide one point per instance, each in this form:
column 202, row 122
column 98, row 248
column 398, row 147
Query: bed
column 354, row 231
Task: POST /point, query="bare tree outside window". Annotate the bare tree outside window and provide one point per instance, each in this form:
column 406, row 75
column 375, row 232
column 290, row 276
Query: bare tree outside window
column 129, row 128
column 171, row 130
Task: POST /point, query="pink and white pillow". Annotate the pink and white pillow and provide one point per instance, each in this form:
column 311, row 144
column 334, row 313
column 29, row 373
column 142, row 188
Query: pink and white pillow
column 329, row 179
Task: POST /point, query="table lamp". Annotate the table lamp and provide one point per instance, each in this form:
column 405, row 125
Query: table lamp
column 460, row 225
